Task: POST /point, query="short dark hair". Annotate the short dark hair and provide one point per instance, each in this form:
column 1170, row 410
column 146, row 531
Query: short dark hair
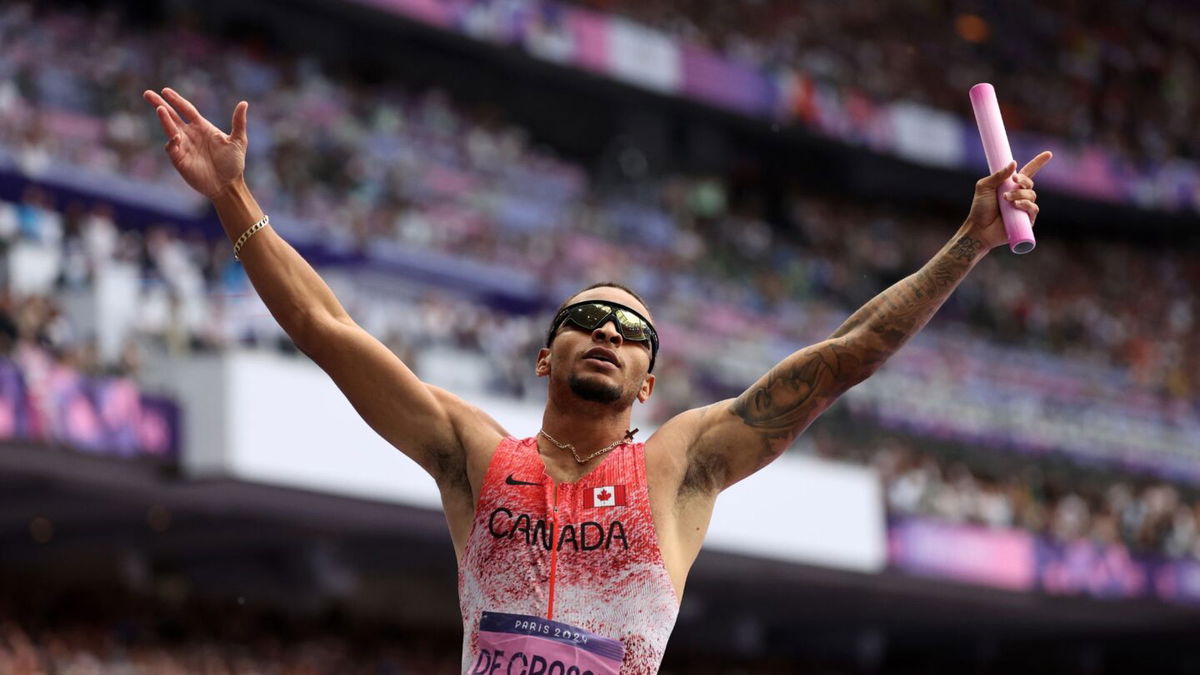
column 603, row 284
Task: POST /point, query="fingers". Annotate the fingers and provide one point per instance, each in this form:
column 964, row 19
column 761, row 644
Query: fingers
column 239, row 123
column 1023, row 178
column 1025, row 200
column 1018, row 195
column 993, row 181
column 168, row 122
column 1037, row 163
column 157, row 101
column 186, row 110
column 1028, row 207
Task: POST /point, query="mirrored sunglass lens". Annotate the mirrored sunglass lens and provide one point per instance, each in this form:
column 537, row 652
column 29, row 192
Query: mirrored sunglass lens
column 632, row 325
column 589, row 316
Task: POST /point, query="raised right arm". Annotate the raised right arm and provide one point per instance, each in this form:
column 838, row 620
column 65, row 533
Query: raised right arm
column 429, row 425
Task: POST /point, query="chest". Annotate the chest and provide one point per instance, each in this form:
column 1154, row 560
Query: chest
column 606, row 509
column 569, row 518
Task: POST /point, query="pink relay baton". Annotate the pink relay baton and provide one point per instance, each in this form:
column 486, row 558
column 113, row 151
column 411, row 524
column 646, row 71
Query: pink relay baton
column 999, row 154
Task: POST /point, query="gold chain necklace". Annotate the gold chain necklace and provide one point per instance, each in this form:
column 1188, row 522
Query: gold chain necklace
column 567, row 446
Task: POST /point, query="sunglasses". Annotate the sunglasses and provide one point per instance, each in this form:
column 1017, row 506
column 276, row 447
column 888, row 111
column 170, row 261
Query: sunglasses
column 592, row 314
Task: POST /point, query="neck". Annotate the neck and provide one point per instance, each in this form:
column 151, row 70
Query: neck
column 586, row 428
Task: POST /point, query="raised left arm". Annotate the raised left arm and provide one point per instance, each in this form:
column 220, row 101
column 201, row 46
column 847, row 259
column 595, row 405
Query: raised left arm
column 782, row 403
column 734, row 438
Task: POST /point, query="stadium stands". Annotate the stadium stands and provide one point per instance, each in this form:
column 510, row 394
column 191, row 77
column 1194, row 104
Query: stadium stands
column 1055, row 396
column 1123, row 76
column 429, row 179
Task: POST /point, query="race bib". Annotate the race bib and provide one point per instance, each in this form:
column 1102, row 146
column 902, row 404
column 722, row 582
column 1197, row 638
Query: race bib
column 514, row 644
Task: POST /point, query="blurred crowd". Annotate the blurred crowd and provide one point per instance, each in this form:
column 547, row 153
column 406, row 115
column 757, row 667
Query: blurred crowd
column 1123, row 75
column 99, row 650
column 381, row 164
column 173, row 271
column 76, row 635
column 73, row 635
column 174, row 291
column 368, row 166
column 1062, row 501
column 60, row 264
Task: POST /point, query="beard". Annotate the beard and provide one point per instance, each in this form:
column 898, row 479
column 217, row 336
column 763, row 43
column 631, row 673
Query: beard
column 590, row 389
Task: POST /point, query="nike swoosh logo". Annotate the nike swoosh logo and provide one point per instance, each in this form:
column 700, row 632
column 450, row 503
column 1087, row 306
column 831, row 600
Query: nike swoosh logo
column 513, row 481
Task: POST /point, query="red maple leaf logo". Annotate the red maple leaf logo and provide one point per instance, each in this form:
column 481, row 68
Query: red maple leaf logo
column 603, row 495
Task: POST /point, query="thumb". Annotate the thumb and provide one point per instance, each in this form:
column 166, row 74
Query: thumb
column 995, row 180
column 239, row 123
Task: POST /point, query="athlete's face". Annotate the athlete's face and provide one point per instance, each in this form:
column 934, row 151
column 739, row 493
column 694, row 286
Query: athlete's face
column 600, row 365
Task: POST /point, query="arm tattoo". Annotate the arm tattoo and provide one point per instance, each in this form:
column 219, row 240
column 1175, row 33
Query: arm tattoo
column 783, row 403
column 898, row 313
column 793, row 393
column 965, row 249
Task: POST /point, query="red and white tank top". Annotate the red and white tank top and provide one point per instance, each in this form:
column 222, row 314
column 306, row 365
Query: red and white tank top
column 584, row 554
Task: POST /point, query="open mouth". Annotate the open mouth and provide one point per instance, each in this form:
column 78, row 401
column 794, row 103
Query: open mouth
column 603, row 355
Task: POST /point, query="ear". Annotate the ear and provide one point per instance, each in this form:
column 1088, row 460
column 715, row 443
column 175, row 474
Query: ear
column 647, row 389
column 542, row 367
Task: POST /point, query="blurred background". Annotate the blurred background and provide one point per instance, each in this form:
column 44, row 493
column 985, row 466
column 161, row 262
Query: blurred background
column 1015, row 492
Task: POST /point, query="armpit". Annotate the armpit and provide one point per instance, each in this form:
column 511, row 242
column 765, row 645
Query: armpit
column 706, row 473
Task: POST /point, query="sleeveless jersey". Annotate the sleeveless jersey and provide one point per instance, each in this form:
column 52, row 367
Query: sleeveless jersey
column 583, row 553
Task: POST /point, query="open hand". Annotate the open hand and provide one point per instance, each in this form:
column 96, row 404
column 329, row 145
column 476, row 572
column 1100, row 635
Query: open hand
column 984, row 222
column 207, row 158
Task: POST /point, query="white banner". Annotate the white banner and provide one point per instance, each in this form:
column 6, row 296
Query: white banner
column 805, row 510
column 927, row 136
column 645, row 57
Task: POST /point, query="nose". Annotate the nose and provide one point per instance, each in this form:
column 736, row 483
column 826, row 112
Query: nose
column 608, row 332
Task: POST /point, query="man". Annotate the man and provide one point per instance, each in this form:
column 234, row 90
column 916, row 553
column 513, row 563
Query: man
column 573, row 545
